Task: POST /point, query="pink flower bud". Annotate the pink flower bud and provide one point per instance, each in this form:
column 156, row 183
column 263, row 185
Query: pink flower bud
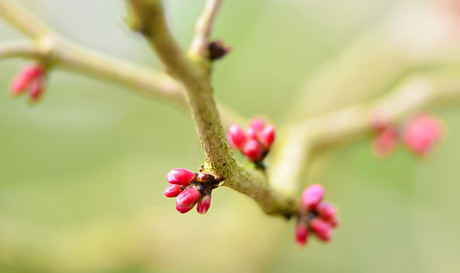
column 236, row 136
column 312, row 196
column 185, row 209
column 326, row 210
column 172, row 190
column 334, row 221
column 26, row 77
column 252, row 150
column 180, row 176
column 257, row 124
column 188, row 197
column 385, row 142
column 422, row 133
column 267, row 136
column 36, row 89
column 203, row 204
column 322, row 229
column 301, row 234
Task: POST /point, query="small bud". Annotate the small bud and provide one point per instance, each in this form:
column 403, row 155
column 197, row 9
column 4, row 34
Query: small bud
column 252, row 150
column 172, row 190
column 217, row 50
column 22, row 81
column 257, row 125
column 326, row 210
column 312, row 196
column 322, row 229
column 422, row 134
column 185, row 209
column 301, row 234
column 36, row 89
column 236, row 136
column 203, row 204
column 334, row 221
column 180, row 176
column 188, row 197
column 385, row 142
column 267, row 136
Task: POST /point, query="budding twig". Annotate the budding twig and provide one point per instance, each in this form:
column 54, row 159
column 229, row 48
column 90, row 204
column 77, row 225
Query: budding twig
column 203, row 28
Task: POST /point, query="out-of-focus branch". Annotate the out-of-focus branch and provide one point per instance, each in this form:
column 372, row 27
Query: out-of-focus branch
column 203, row 28
column 18, row 49
column 320, row 133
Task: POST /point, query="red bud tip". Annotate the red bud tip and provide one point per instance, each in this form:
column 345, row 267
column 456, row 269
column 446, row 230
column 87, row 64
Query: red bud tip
column 422, row 133
column 204, row 204
column 172, row 190
column 334, row 221
column 257, row 125
column 326, row 210
column 252, row 150
column 236, row 136
column 301, row 234
column 312, row 196
column 267, row 136
column 180, row 176
column 36, row 89
column 322, row 229
column 188, row 197
column 182, row 209
column 385, row 142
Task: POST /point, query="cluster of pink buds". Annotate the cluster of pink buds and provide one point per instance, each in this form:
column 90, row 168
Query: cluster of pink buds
column 256, row 142
column 191, row 188
column 419, row 134
column 32, row 79
column 315, row 215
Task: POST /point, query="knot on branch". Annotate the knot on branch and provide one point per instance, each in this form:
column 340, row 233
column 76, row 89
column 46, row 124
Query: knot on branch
column 217, row 50
column 191, row 188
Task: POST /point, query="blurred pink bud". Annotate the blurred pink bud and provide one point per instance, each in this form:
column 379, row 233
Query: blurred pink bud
column 36, row 89
column 188, row 197
column 312, row 196
column 252, row 150
column 252, row 133
column 180, row 176
column 185, row 209
column 301, row 234
column 236, row 136
column 203, row 204
column 385, row 142
column 334, row 221
column 257, row 125
column 322, row 229
column 326, row 210
column 26, row 77
column 172, row 190
column 422, row 134
column 267, row 136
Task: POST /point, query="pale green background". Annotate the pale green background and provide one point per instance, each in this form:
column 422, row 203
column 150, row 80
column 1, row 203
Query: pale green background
column 82, row 174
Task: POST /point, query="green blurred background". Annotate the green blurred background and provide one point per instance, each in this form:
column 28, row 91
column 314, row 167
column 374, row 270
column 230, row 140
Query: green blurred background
column 82, row 174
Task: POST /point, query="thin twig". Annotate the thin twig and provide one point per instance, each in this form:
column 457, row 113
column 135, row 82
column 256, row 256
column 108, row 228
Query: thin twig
column 203, row 28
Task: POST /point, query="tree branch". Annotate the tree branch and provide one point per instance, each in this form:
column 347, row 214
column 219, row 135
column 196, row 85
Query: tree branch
column 304, row 140
column 18, row 49
column 203, row 28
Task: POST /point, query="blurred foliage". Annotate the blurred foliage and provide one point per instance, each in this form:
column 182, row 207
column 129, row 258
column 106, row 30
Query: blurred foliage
column 82, row 174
